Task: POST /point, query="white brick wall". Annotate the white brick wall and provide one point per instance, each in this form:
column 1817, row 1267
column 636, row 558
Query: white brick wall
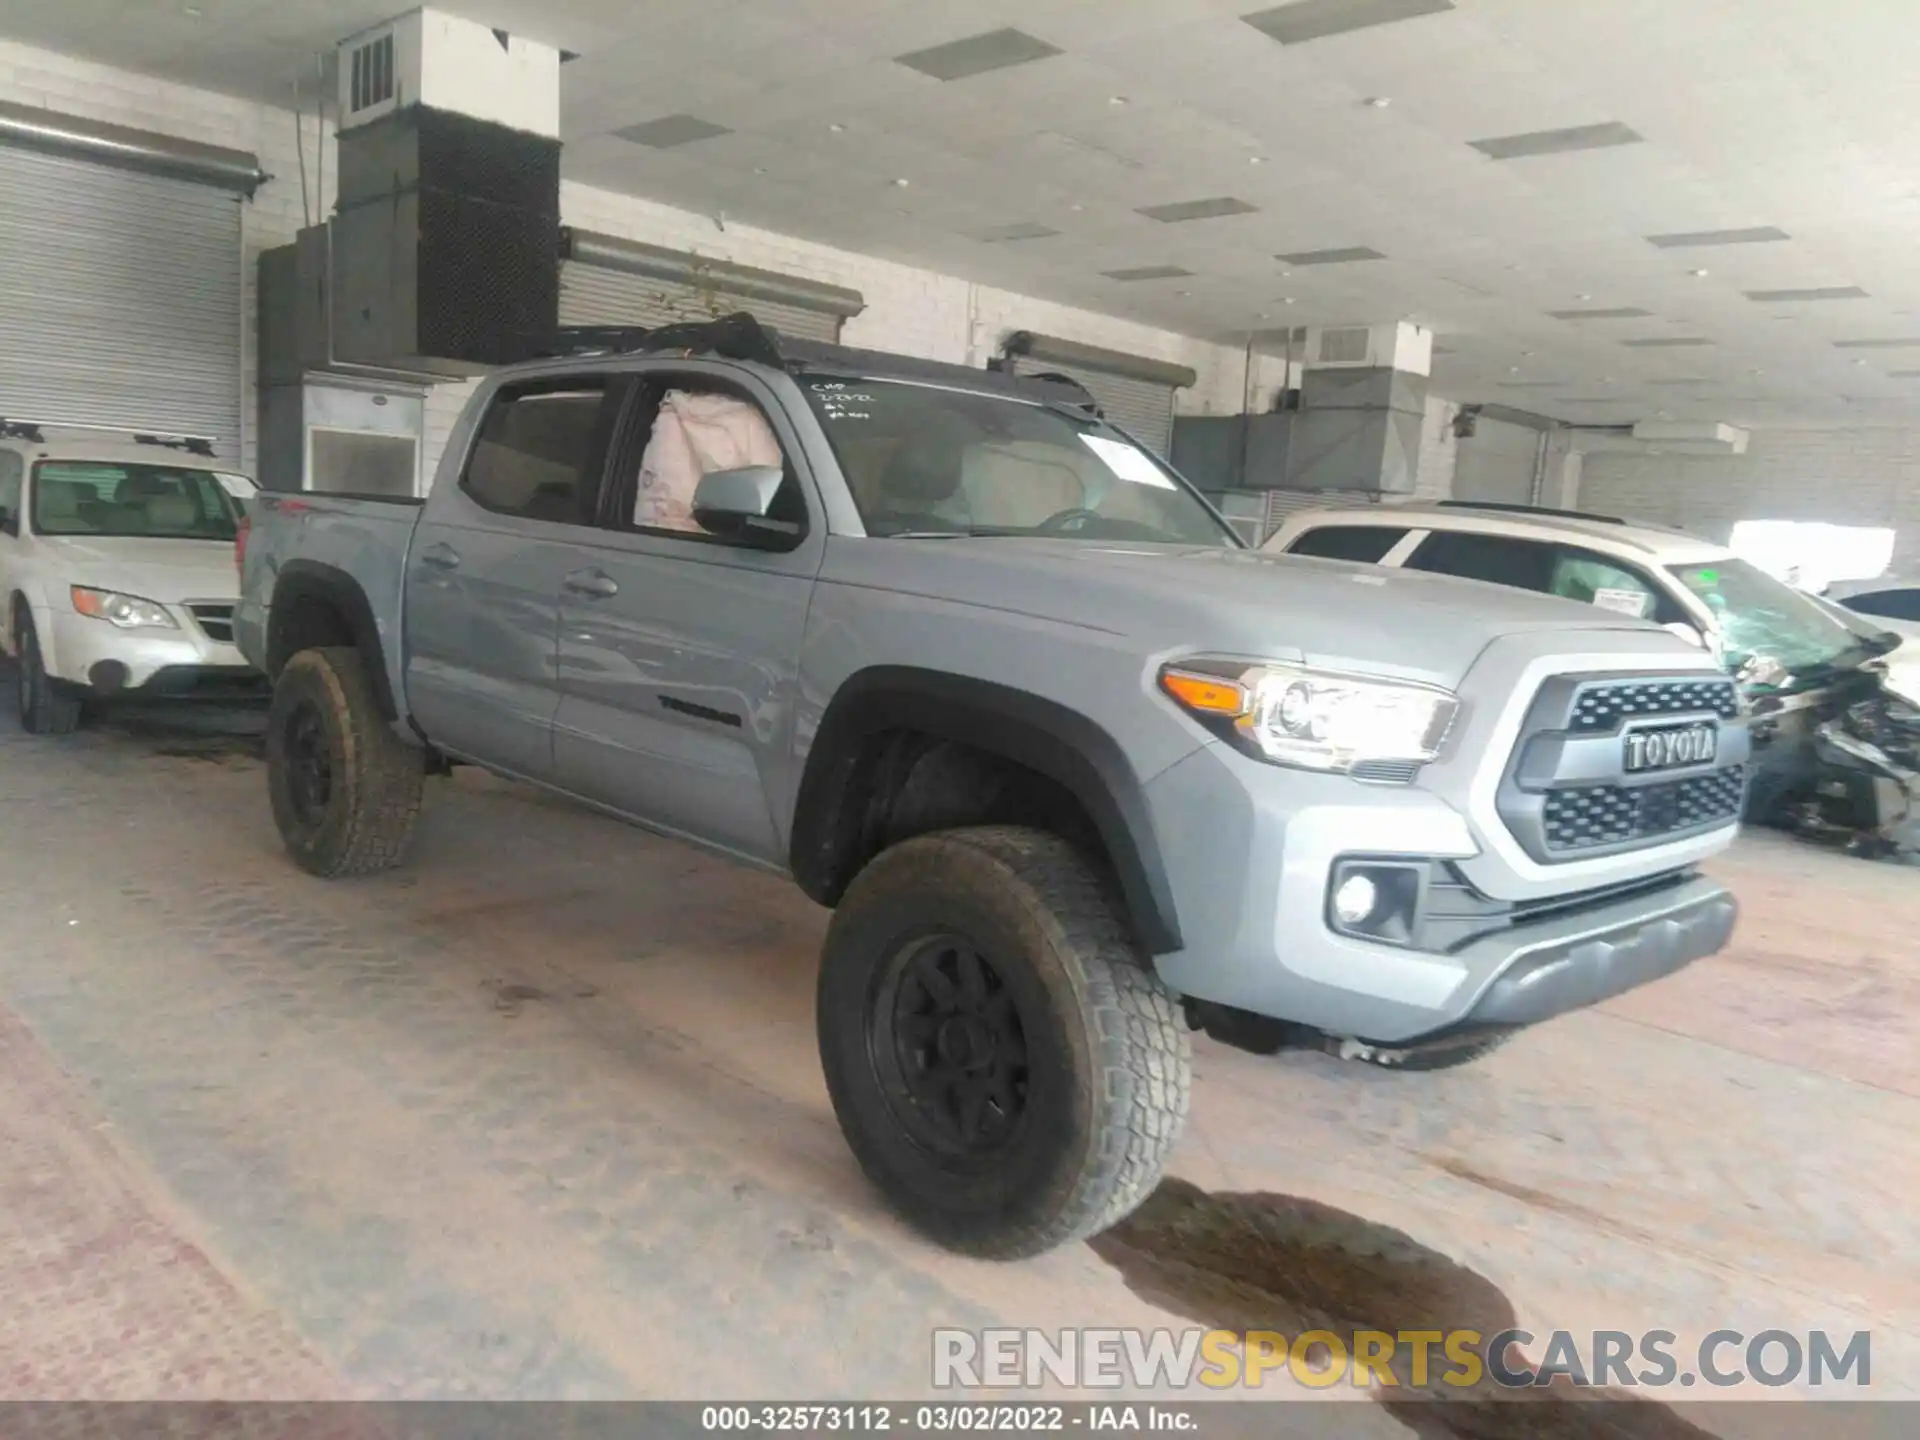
column 1861, row 477
column 909, row 310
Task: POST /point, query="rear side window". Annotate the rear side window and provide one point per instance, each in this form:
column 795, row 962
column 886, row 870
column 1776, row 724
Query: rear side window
column 1497, row 559
column 1368, row 544
column 540, row 451
column 1887, row 604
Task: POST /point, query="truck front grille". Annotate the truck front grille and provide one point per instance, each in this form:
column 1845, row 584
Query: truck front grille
column 1591, row 816
column 214, row 619
column 1604, row 707
column 1568, row 794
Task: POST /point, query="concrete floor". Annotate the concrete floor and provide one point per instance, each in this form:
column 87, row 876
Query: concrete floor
column 540, row 1116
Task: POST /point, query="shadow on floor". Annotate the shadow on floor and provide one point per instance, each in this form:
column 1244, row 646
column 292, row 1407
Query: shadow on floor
column 1253, row 1262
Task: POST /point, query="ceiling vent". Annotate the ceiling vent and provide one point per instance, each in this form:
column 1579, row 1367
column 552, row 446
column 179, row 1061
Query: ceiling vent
column 370, row 84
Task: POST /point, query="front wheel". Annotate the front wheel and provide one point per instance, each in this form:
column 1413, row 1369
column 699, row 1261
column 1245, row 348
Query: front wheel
column 345, row 789
column 1006, row 1068
column 45, row 709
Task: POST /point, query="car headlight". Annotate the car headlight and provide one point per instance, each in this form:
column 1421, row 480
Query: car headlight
column 1315, row 719
column 129, row 612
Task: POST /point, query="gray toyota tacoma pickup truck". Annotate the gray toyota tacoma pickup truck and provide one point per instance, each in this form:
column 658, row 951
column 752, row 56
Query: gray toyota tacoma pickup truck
column 1077, row 772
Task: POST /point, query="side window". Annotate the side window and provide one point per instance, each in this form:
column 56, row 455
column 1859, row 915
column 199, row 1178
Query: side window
column 1887, row 604
column 696, row 429
column 1595, row 580
column 540, row 450
column 12, row 467
column 1368, row 544
column 1497, row 559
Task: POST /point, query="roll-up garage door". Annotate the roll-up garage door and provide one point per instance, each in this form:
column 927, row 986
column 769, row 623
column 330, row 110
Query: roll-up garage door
column 1497, row 463
column 1132, row 391
column 119, row 298
column 608, row 281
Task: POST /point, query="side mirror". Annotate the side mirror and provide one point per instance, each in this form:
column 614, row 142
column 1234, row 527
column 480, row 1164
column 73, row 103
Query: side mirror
column 735, row 505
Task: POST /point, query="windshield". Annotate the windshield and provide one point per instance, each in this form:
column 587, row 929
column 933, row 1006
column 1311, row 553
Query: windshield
column 1760, row 618
column 157, row 502
column 923, row 461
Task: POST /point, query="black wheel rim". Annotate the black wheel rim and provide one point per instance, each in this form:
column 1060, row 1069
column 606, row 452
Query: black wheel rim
column 308, row 762
column 949, row 1046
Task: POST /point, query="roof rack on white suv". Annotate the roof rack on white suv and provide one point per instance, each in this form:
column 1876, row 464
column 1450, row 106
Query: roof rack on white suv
column 34, row 433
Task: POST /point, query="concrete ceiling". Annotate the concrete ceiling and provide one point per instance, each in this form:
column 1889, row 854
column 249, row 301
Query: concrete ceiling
column 1791, row 116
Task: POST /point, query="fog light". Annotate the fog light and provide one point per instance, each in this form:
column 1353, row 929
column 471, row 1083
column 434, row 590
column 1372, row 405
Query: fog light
column 1353, row 902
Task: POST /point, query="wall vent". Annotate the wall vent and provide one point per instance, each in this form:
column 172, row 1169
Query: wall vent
column 1351, row 346
column 371, row 83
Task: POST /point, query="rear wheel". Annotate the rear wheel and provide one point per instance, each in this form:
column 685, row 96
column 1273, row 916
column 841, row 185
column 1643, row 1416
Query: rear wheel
column 45, row 708
column 345, row 789
column 1006, row 1068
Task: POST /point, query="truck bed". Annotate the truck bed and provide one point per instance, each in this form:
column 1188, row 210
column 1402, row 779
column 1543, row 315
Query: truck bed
column 362, row 538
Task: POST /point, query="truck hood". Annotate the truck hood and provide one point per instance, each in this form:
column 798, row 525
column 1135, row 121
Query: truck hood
column 1236, row 602
column 169, row 571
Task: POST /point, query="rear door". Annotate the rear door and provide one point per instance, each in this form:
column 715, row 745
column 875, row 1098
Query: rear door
column 485, row 569
column 679, row 650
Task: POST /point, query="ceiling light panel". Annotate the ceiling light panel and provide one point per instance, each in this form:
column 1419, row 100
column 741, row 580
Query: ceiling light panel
column 1558, row 142
column 1211, row 209
column 1816, row 292
column 1315, row 19
column 977, row 54
column 1618, row 312
column 1147, row 272
column 1692, row 239
column 671, row 130
column 1345, row 256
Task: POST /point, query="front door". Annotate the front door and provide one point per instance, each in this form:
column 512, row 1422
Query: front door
column 679, row 651
column 485, row 570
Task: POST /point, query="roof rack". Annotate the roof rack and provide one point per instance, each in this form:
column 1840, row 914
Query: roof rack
column 732, row 337
column 34, row 432
column 1505, row 507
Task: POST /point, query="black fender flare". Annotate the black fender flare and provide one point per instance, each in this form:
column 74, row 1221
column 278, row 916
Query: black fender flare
column 1043, row 735
column 310, row 580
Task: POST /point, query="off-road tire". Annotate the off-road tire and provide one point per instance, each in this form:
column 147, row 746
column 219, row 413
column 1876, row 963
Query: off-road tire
column 45, row 708
column 1106, row 1051
column 365, row 819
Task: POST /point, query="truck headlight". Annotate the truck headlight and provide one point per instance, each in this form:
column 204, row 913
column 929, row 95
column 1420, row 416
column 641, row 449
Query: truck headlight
column 1314, row 719
column 129, row 612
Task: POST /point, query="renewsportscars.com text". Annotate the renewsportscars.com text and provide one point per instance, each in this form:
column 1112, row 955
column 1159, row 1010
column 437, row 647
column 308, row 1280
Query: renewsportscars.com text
column 1226, row 1359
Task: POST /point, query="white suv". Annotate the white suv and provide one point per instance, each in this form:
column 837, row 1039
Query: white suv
column 117, row 563
column 1784, row 646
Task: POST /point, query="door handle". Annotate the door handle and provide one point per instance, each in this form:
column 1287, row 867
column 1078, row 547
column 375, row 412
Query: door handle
column 596, row 583
column 440, row 555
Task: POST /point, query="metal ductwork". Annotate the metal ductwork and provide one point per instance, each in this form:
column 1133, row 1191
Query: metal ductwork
column 129, row 149
column 1073, row 355
column 742, row 283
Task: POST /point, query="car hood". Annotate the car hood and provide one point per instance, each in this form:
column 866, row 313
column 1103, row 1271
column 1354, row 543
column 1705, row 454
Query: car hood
column 165, row 570
column 1237, row 602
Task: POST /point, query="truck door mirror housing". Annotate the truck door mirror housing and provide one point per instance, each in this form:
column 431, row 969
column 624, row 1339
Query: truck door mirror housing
column 737, row 505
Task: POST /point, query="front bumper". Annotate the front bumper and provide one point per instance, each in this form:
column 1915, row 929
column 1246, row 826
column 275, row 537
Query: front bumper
column 1250, row 849
column 102, row 660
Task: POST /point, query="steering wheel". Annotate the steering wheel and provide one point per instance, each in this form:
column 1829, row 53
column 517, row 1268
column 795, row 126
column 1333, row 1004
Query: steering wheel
column 1068, row 522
